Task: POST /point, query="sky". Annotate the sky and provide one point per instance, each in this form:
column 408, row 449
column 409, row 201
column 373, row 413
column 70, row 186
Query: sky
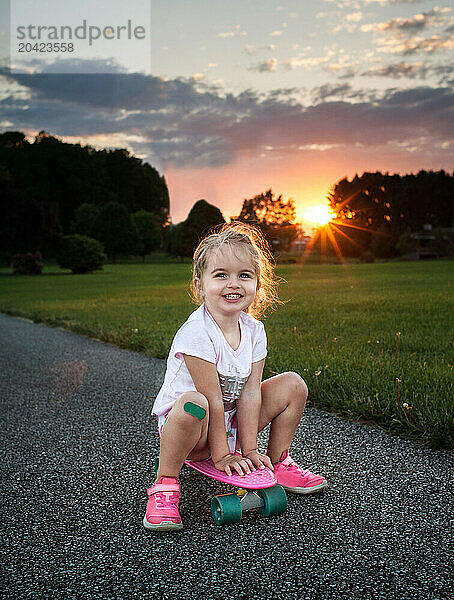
column 231, row 98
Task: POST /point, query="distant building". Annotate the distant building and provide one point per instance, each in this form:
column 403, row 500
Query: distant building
column 425, row 240
column 299, row 245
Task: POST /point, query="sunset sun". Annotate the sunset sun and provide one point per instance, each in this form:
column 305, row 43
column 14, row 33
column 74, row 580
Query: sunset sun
column 320, row 214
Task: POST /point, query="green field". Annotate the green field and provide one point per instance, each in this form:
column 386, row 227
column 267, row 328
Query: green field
column 374, row 342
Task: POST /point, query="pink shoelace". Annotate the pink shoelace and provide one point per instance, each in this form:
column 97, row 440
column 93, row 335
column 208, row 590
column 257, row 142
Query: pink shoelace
column 292, row 466
column 167, row 499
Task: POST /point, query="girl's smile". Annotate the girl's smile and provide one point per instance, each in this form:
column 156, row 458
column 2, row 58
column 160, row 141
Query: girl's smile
column 233, row 297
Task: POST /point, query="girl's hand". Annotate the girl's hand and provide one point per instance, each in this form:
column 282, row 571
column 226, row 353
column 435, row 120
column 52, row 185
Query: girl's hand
column 259, row 460
column 234, row 461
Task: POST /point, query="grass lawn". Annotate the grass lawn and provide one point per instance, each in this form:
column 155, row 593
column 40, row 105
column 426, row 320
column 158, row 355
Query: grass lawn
column 373, row 341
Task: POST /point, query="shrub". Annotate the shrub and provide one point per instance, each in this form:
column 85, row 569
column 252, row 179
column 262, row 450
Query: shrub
column 27, row 264
column 81, row 254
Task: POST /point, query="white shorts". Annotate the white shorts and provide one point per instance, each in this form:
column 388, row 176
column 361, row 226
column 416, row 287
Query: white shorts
column 230, row 427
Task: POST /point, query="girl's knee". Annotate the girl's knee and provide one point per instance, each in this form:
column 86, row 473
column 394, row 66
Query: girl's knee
column 297, row 386
column 194, row 404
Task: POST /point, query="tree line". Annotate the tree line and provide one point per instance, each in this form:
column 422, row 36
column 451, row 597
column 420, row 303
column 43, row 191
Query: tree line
column 44, row 184
column 379, row 212
column 49, row 189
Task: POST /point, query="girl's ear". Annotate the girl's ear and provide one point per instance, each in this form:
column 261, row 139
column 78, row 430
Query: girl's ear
column 198, row 286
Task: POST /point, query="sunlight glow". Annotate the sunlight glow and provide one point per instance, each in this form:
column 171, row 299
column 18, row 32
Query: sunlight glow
column 320, row 214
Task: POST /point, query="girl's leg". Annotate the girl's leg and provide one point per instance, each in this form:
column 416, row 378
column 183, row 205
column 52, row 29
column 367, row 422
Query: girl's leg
column 283, row 402
column 184, row 435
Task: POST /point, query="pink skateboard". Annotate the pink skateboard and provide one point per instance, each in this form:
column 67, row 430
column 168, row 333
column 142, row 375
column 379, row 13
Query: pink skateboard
column 258, row 489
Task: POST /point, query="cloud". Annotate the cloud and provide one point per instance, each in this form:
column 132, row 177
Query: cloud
column 183, row 123
column 266, row 66
column 414, row 24
column 329, row 90
column 354, row 17
column 416, row 45
column 307, row 62
column 404, row 36
column 344, row 67
column 417, row 70
column 128, row 91
column 235, row 32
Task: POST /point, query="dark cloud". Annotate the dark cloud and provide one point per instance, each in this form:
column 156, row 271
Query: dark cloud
column 331, row 90
column 346, row 74
column 129, row 91
column 418, row 97
column 420, row 70
column 399, row 70
column 182, row 122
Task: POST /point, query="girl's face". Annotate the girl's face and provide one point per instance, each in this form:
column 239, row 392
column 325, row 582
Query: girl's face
column 229, row 282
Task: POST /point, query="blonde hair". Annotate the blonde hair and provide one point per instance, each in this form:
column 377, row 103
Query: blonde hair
column 251, row 239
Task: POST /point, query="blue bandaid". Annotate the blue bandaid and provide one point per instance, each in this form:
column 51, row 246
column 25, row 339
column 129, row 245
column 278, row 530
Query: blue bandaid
column 195, row 410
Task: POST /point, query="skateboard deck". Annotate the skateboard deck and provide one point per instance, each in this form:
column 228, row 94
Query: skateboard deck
column 258, row 490
column 257, row 480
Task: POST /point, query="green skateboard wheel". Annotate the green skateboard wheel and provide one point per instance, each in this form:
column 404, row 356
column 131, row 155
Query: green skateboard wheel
column 274, row 501
column 226, row 509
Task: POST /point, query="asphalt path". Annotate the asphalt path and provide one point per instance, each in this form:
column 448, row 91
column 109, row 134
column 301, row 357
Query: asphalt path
column 77, row 453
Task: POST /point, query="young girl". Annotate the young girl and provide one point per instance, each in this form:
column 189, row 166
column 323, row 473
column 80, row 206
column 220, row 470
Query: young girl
column 213, row 401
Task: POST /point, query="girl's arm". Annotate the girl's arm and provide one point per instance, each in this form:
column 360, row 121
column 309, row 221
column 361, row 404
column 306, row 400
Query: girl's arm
column 248, row 414
column 205, row 378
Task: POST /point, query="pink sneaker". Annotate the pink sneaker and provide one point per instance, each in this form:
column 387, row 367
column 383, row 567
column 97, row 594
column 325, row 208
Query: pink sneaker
column 162, row 508
column 294, row 479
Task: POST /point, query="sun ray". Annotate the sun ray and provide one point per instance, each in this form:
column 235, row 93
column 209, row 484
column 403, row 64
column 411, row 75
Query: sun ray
column 334, row 243
column 310, row 245
column 368, row 229
column 355, row 243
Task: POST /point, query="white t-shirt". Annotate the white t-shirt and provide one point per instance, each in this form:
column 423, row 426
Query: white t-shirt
column 201, row 336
